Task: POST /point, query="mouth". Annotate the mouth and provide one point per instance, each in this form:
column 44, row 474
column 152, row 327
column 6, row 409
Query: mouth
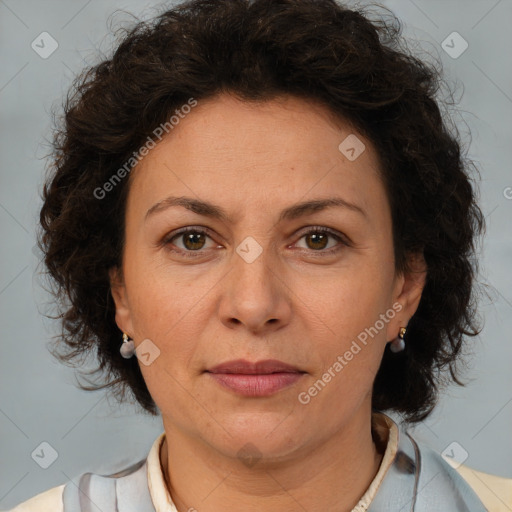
column 258, row 379
column 266, row 367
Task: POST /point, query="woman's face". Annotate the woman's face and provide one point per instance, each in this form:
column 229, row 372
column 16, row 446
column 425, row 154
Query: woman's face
column 251, row 284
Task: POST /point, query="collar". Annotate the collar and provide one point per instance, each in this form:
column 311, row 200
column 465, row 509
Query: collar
column 412, row 478
column 384, row 430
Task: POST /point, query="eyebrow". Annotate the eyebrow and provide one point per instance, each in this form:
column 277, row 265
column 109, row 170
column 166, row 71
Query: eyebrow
column 292, row 212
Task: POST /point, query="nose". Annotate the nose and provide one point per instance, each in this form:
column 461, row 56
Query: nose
column 255, row 294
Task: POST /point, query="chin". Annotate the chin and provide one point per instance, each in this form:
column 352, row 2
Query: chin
column 259, row 436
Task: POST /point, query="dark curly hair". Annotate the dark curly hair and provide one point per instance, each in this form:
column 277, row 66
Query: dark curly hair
column 317, row 50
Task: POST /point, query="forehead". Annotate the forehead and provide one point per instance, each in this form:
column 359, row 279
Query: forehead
column 286, row 126
column 252, row 152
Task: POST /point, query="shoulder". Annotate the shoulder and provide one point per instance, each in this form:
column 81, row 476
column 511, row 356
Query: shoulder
column 47, row 501
column 494, row 491
column 132, row 483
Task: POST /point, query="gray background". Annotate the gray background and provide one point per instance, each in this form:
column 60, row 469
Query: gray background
column 38, row 398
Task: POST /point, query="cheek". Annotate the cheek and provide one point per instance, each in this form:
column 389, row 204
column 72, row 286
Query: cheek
column 349, row 353
column 164, row 309
column 349, row 301
column 351, row 337
column 160, row 294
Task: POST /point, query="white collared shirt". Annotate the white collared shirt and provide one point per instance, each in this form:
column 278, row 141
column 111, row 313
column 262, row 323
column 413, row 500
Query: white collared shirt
column 495, row 492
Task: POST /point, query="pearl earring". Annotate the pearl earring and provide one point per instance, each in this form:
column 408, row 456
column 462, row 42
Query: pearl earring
column 127, row 348
column 398, row 344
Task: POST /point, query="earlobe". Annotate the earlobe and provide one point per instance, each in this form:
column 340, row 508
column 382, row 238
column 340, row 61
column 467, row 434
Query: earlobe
column 115, row 286
column 412, row 285
column 118, row 291
column 408, row 292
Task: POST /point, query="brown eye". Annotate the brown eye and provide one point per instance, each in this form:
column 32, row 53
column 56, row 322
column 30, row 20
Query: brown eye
column 193, row 240
column 188, row 241
column 318, row 240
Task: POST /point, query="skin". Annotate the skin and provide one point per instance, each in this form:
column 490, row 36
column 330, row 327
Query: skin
column 291, row 303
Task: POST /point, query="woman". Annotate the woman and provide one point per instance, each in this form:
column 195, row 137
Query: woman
column 264, row 228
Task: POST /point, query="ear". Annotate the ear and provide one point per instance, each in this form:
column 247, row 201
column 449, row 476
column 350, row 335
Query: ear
column 407, row 292
column 123, row 312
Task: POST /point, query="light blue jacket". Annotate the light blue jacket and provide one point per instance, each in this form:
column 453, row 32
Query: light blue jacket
column 418, row 480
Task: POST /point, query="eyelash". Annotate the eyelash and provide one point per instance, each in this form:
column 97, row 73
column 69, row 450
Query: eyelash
column 199, row 253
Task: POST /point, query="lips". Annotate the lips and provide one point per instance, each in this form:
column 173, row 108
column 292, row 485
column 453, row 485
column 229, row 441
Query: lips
column 241, row 366
column 259, row 379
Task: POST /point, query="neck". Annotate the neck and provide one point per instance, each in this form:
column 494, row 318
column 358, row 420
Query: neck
column 332, row 475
